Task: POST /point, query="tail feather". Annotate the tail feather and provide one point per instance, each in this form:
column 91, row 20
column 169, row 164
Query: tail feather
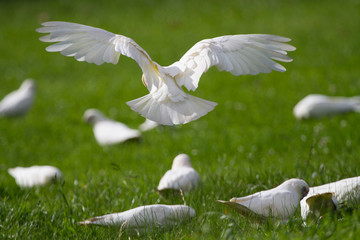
column 168, row 112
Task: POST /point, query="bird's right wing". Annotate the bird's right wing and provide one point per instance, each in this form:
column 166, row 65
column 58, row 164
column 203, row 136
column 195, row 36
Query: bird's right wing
column 246, row 212
column 93, row 45
column 238, row 54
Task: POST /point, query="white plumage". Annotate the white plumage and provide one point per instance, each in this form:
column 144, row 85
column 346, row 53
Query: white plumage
column 35, row 175
column 167, row 103
column 344, row 191
column 181, row 175
column 145, row 218
column 280, row 202
column 148, row 125
column 317, row 106
column 18, row 103
column 107, row 131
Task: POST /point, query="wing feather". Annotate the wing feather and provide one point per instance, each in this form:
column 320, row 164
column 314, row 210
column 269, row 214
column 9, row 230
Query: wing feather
column 93, row 45
column 237, row 54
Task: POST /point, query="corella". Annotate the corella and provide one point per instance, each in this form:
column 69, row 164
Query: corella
column 108, row 131
column 18, row 102
column 35, row 175
column 317, row 106
column 167, row 103
column 182, row 176
column 280, row 202
column 329, row 197
column 144, row 218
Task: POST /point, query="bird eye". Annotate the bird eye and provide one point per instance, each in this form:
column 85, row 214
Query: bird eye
column 304, row 190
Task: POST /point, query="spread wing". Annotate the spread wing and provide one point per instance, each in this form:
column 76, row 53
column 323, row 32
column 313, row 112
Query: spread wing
column 93, row 45
column 237, row 54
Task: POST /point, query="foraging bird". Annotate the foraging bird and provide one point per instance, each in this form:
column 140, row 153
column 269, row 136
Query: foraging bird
column 107, row 131
column 319, row 204
column 167, row 103
column 280, row 202
column 144, row 218
column 148, row 125
column 181, row 175
column 343, row 192
column 317, row 106
column 18, row 102
column 35, row 175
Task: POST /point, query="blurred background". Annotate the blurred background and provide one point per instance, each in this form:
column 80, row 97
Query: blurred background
column 250, row 139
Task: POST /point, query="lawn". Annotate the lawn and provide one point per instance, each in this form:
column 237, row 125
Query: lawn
column 250, row 142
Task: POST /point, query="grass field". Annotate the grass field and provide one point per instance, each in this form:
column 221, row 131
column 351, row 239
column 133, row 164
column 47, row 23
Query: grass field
column 250, row 142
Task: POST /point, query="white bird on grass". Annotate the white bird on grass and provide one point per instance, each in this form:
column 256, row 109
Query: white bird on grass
column 148, row 125
column 18, row 103
column 144, row 218
column 35, row 175
column 107, row 131
column 167, row 103
column 317, row 106
column 342, row 192
column 181, row 176
column 319, row 204
column 280, row 202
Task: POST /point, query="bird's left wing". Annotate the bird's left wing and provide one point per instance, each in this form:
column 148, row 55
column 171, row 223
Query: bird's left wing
column 237, row 54
column 90, row 44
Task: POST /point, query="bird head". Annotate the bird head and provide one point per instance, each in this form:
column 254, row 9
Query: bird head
column 301, row 187
column 28, row 84
column 93, row 116
column 181, row 160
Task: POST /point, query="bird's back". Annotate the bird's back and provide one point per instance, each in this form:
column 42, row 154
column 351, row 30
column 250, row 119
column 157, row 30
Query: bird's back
column 184, row 178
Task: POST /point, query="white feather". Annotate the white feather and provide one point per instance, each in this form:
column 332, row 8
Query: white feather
column 19, row 102
column 107, row 131
column 167, row 103
column 148, row 125
column 181, row 176
column 345, row 191
column 317, row 106
column 280, row 202
column 35, row 175
column 144, row 218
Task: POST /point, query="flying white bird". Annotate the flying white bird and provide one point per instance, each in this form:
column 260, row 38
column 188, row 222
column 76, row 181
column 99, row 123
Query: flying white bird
column 343, row 191
column 35, row 175
column 280, row 202
column 167, row 103
column 144, row 218
column 107, row 131
column 317, row 106
column 181, row 176
column 148, row 125
column 18, row 103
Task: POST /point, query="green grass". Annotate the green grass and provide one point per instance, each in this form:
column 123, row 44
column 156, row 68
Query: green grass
column 250, row 142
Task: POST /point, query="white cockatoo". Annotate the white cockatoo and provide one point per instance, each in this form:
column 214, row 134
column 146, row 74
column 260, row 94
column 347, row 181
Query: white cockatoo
column 280, row 202
column 167, row 103
column 342, row 192
column 317, row 205
column 18, row 102
column 317, row 106
column 181, row 176
column 144, row 218
column 148, row 125
column 35, row 175
column 107, row 131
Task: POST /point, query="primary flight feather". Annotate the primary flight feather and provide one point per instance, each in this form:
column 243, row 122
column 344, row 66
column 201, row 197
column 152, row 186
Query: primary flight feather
column 167, row 103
